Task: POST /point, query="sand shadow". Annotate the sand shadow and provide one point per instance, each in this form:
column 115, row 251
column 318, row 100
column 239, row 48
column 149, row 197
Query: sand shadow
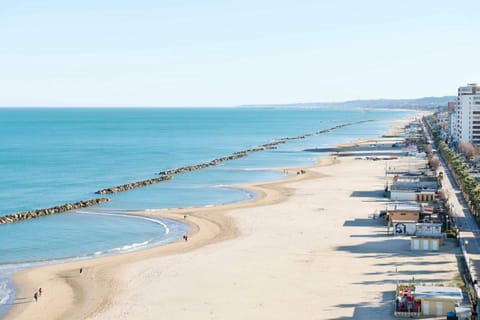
column 389, row 247
column 68, row 276
column 376, row 235
column 364, row 222
column 21, row 300
column 373, row 310
column 417, row 263
column 368, row 194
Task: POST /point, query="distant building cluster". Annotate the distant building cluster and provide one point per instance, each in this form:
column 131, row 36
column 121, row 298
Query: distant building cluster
column 462, row 120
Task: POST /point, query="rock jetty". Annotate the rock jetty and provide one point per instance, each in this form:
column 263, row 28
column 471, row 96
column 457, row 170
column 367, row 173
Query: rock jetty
column 246, row 152
column 20, row 216
column 133, row 185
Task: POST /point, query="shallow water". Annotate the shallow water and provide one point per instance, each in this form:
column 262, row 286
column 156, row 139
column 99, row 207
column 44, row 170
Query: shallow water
column 52, row 156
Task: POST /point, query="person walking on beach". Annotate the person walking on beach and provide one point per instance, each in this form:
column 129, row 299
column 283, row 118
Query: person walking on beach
column 35, row 296
column 40, row 292
column 81, row 270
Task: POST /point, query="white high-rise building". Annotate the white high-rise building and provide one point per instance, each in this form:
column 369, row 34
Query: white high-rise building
column 466, row 122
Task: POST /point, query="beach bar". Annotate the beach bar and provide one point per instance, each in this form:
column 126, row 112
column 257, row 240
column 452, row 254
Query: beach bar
column 403, row 217
column 421, row 189
column 437, row 301
column 418, row 301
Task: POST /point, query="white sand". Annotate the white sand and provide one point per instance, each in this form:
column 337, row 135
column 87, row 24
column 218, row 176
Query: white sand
column 306, row 249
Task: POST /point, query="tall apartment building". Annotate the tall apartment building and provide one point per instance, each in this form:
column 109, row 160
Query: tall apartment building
column 451, row 117
column 466, row 120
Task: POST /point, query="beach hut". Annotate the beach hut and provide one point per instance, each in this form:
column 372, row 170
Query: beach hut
column 416, row 301
column 437, row 301
column 403, row 217
column 425, row 243
column 428, row 237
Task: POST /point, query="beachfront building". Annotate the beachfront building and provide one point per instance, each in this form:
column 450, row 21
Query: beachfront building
column 441, row 121
column 466, row 122
column 416, row 301
column 451, row 118
column 403, row 217
column 419, row 188
column 428, row 237
column 437, row 301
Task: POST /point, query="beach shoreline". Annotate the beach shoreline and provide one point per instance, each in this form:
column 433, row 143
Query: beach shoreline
column 96, row 292
column 65, row 280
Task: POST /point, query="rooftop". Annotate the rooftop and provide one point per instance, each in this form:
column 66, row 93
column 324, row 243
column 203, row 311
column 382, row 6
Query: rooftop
column 404, row 206
column 410, row 187
column 432, row 292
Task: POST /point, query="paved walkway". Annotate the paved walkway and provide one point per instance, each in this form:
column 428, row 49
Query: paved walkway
column 469, row 230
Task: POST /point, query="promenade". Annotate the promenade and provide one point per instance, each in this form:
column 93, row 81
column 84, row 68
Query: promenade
column 469, row 232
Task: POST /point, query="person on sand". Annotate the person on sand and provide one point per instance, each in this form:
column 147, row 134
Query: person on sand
column 40, row 292
column 35, row 296
column 81, row 270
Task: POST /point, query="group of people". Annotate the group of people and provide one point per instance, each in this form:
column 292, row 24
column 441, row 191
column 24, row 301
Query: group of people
column 37, row 294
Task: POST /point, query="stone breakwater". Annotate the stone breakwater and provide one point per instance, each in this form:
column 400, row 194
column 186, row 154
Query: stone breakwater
column 246, row 152
column 214, row 162
column 133, row 185
column 20, row 216
column 165, row 175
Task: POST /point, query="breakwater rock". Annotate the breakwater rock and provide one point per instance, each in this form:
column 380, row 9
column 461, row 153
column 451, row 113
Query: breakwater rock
column 20, row 216
column 133, row 185
column 246, row 152
column 214, row 162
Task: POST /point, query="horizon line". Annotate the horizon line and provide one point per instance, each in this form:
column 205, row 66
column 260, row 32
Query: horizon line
column 225, row 106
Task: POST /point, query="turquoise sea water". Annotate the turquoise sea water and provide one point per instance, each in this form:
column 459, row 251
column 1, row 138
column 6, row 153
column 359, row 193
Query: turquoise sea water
column 52, row 156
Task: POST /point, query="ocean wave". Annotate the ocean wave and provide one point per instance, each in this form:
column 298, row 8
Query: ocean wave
column 5, row 292
column 128, row 247
column 131, row 216
column 256, row 169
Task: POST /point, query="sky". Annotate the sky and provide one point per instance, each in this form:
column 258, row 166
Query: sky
column 225, row 53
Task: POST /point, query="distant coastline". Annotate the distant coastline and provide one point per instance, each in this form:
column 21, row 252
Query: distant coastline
column 425, row 103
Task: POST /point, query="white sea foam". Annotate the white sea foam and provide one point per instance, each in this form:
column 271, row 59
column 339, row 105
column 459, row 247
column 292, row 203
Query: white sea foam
column 167, row 229
column 5, row 292
column 129, row 247
column 256, row 169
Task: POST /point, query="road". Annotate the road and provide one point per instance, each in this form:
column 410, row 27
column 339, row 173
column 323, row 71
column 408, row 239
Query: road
column 469, row 231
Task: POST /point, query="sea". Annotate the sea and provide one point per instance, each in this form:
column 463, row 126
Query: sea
column 52, row 156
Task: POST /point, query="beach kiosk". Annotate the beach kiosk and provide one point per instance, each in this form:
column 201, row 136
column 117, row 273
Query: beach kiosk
column 421, row 189
column 428, row 237
column 417, row 301
column 403, row 217
column 437, row 301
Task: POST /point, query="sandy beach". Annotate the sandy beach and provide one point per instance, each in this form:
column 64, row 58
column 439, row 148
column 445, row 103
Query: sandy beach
column 306, row 248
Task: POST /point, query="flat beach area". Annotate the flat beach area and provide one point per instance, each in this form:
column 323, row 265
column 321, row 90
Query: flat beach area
column 306, row 248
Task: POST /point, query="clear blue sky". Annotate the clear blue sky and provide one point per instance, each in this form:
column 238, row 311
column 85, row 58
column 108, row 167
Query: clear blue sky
column 222, row 53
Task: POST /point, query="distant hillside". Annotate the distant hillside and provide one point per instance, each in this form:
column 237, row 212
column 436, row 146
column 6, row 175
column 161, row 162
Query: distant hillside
column 427, row 103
